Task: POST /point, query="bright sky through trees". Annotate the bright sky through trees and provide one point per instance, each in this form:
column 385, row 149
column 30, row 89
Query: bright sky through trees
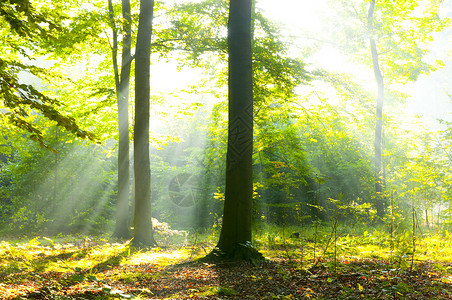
column 428, row 97
column 301, row 20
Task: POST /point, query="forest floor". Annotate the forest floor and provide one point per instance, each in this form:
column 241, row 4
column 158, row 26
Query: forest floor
column 44, row 269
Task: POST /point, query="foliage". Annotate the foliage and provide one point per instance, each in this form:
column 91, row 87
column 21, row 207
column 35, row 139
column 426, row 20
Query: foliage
column 402, row 30
column 198, row 29
column 30, row 28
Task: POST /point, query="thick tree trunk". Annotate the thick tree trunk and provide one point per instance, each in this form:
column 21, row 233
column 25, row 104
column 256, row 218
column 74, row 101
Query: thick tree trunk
column 143, row 234
column 379, row 200
column 235, row 236
column 123, row 84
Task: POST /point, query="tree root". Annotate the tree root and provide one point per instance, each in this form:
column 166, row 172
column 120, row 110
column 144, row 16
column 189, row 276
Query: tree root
column 238, row 253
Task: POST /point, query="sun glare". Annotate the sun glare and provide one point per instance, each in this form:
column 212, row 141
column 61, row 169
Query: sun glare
column 296, row 15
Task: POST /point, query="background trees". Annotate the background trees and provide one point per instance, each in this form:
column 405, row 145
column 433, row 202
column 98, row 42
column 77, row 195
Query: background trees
column 398, row 39
column 313, row 127
column 122, row 86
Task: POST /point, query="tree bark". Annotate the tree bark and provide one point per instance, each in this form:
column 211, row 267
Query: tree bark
column 379, row 184
column 143, row 234
column 235, row 236
column 122, row 94
column 427, row 223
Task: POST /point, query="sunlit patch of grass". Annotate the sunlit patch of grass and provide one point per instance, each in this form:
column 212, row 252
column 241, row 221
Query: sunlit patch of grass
column 367, row 252
column 437, row 247
column 96, row 256
column 309, row 247
column 158, row 256
column 37, row 256
column 31, row 256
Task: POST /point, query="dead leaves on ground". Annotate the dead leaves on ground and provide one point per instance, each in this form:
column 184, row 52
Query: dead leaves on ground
column 279, row 278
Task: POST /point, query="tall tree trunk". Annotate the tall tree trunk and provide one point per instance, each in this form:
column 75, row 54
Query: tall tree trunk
column 55, row 175
column 143, row 234
column 379, row 200
column 122, row 94
column 235, row 236
column 427, row 223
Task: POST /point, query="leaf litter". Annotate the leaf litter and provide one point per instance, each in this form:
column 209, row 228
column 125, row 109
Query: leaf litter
column 119, row 276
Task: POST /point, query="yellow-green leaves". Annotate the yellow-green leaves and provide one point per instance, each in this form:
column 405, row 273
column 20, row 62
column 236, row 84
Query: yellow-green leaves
column 402, row 31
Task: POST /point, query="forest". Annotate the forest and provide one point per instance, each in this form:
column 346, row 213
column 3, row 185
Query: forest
column 225, row 149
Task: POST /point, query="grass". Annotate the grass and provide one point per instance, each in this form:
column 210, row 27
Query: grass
column 370, row 264
column 362, row 243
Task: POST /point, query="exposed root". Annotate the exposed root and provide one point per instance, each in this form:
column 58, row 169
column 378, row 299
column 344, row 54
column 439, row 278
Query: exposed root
column 238, row 253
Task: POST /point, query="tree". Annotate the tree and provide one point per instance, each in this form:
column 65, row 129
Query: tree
column 197, row 30
column 143, row 234
column 410, row 68
column 398, row 33
column 379, row 115
column 122, row 83
column 235, row 236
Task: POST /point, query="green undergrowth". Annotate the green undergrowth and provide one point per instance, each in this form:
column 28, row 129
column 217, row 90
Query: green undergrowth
column 95, row 263
column 311, row 245
column 43, row 254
